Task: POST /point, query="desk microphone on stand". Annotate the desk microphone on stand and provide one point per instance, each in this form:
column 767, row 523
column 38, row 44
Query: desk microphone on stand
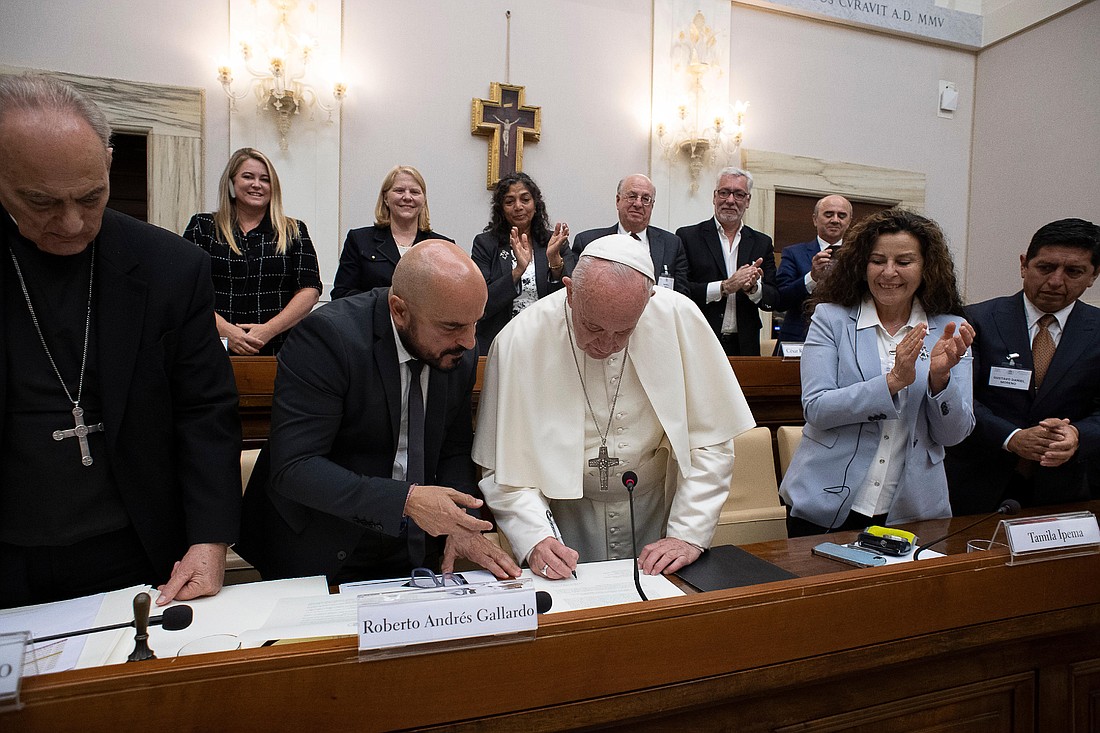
column 174, row 618
column 629, row 480
column 1007, row 507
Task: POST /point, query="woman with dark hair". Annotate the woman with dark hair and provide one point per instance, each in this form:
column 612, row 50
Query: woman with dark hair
column 885, row 381
column 262, row 262
column 401, row 220
column 521, row 258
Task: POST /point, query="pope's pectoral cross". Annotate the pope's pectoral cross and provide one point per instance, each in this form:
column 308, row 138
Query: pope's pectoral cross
column 80, row 432
column 604, row 463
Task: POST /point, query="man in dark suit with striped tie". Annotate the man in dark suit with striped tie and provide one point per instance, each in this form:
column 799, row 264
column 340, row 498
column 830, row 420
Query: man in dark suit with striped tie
column 1036, row 381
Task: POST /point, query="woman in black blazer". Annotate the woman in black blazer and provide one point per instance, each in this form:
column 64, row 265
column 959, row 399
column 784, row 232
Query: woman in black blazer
column 521, row 258
column 400, row 221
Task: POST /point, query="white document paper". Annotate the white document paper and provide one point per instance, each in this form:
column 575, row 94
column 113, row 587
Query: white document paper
column 597, row 584
column 235, row 610
column 74, row 652
column 46, row 619
column 306, row 617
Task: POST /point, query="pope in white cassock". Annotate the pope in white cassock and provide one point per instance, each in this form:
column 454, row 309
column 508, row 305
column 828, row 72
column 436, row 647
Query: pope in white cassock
column 606, row 376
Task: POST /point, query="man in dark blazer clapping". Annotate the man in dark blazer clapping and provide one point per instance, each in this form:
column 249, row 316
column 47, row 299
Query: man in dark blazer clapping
column 634, row 199
column 347, row 486
column 731, row 267
column 803, row 266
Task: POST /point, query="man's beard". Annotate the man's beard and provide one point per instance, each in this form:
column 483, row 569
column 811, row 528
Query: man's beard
column 435, row 362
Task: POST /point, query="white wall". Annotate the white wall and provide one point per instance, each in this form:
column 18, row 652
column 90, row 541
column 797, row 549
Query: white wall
column 816, row 89
column 836, row 93
column 1036, row 149
column 163, row 43
column 420, row 63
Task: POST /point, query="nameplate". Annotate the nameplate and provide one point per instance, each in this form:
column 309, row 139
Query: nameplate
column 1010, row 378
column 419, row 620
column 12, row 649
column 791, row 351
column 1053, row 533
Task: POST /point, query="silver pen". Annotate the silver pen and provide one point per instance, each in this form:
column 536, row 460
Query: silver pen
column 554, row 529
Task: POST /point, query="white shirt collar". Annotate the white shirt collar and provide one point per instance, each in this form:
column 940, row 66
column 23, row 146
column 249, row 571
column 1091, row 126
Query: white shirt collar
column 1033, row 314
column 823, row 245
column 642, row 236
column 403, row 354
column 722, row 232
column 868, row 314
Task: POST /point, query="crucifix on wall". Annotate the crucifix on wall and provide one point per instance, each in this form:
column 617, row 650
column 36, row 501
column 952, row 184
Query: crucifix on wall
column 507, row 121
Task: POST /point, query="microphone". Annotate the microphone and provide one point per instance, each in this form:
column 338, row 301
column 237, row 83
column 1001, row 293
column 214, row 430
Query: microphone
column 630, row 479
column 1008, row 507
column 543, row 601
column 174, row 618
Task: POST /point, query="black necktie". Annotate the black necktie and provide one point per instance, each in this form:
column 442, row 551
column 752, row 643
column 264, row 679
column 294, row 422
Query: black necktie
column 414, row 469
column 635, row 235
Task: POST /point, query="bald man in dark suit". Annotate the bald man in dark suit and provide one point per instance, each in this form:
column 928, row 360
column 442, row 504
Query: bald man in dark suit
column 634, row 199
column 337, row 490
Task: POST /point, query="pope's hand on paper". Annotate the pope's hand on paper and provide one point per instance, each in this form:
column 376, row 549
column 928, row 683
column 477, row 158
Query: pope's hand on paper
column 667, row 555
column 553, row 560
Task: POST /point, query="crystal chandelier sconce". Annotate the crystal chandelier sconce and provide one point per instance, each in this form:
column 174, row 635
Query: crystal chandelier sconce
column 699, row 134
column 277, row 68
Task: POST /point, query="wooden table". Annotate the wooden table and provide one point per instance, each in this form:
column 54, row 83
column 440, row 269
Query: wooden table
column 771, row 385
column 961, row 643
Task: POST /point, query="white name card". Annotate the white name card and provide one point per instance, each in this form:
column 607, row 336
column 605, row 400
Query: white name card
column 1010, row 378
column 1052, row 532
column 410, row 619
column 12, row 648
column 791, row 350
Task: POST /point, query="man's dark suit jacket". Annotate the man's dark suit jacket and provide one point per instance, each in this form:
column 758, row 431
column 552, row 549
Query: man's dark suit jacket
column 323, row 479
column 796, row 261
column 706, row 265
column 368, row 259
column 493, row 257
column 665, row 247
column 169, row 399
column 979, row 469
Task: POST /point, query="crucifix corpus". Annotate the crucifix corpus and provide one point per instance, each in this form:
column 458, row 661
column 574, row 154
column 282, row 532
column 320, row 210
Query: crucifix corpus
column 507, row 121
column 604, row 464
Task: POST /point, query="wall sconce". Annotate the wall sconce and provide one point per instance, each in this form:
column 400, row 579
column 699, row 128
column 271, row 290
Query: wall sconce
column 700, row 134
column 279, row 85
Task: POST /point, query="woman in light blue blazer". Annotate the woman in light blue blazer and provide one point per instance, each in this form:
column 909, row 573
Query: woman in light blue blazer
column 886, row 382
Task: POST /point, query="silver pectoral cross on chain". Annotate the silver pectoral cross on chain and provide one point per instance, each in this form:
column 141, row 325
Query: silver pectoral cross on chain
column 604, row 463
column 80, row 432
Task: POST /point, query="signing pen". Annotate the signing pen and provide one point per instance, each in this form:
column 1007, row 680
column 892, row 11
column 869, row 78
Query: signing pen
column 554, row 529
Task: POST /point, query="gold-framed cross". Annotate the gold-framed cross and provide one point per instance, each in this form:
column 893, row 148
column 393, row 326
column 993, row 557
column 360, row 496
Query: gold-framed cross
column 507, row 120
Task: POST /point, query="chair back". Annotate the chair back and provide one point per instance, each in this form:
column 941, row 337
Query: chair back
column 788, row 437
column 752, row 512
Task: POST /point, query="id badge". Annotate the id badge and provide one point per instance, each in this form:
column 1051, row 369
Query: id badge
column 1010, row 377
